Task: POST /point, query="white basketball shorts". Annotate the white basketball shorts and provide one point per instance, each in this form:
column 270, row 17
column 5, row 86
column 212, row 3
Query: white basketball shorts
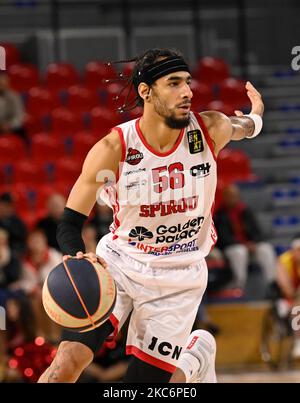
column 163, row 301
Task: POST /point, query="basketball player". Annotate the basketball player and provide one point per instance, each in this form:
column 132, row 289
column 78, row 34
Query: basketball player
column 162, row 200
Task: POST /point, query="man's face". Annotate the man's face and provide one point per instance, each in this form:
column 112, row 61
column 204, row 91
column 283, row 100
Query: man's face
column 37, row 242
column 172, row 97
column 6, row 210
column 56, row 205
column 4, row 83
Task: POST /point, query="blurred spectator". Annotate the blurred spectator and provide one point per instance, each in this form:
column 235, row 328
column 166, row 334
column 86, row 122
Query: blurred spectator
column 55, row 204
column 288, row 280
column 11, row 109
column 89, row 236
column 40, row 259
column 219, row 274
column 20, row 329
column 218, row 277
column 21, row 321
column 26, row 355
column 12, row 224
column 240, row 238
column 102, row 220
column 10, row 269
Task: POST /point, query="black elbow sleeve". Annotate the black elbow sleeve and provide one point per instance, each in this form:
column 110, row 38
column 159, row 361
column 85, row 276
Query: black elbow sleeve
column 68, row 232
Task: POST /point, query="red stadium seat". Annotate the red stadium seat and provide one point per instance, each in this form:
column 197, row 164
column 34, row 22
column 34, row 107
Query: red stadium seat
column 6, row 173
column 234, row 165
column 12, row 54
column 102, row 120
column 23, row 76
column 46, row 148
column 83, row 142
column 12, row 148
column 114, row 91
column 96, row 73
column 31, row 217
column 41, row 101
column 211, row 70
column 234, row 92
column 47, row 168
column 45, row 191
column 128, row 69
column 202, row 95
column 81, row 99
column 65, row 121
column 220, row 106
column 63, row 187
column 25, row 172
column 33, row 124
column 34, row 173
column 61, row 75
column 29, row 203
column 67, row 170
column 24, row 196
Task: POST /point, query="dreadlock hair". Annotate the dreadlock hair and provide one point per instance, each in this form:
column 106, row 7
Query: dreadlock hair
column 148, row 58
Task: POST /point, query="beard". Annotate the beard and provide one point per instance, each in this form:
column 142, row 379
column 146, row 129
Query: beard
column 170, row 119
column 174, row 123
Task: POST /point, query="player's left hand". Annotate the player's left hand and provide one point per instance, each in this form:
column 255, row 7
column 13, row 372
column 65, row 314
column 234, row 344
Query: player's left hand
column 256, row 101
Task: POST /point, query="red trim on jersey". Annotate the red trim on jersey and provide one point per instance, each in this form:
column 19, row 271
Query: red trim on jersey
column 216, row 238
column 116, row 208
column 132, row 350
column 157, row 153
column 213, row 224
column 206, row 134
column 210, row 145
column 121, row 135
column 111, row 339
column 114, row 321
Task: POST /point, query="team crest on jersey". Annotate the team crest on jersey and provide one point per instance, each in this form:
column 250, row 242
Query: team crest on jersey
column 195, row 141
column 134, row 156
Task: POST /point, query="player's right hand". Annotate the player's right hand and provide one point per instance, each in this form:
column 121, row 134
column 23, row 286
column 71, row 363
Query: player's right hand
column 257, row 105
column 92, row 256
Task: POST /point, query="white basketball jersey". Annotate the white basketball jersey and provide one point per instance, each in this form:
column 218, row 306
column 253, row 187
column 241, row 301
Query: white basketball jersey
column 163, row 202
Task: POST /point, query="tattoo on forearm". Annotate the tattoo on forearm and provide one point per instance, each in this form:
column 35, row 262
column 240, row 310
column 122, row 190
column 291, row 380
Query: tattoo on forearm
column 244, row 121
column 53, row 377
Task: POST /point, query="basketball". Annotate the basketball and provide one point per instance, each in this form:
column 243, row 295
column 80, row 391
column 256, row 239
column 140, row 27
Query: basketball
column 79, row 295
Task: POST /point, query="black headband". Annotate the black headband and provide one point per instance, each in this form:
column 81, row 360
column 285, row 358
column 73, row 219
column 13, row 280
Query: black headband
column 159, row 69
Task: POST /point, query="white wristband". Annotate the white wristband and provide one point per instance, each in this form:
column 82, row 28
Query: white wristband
column 258, row 124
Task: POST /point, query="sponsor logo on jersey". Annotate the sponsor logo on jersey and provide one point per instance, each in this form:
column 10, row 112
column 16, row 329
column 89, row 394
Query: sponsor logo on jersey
column 165, row 234
column 135, row 184
column 178, row 232
column 170, row 207
column 141, row 233
column 190, row 246
column 201, row 170
column 134, row 156
column 136, row 171
column 195, row 141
